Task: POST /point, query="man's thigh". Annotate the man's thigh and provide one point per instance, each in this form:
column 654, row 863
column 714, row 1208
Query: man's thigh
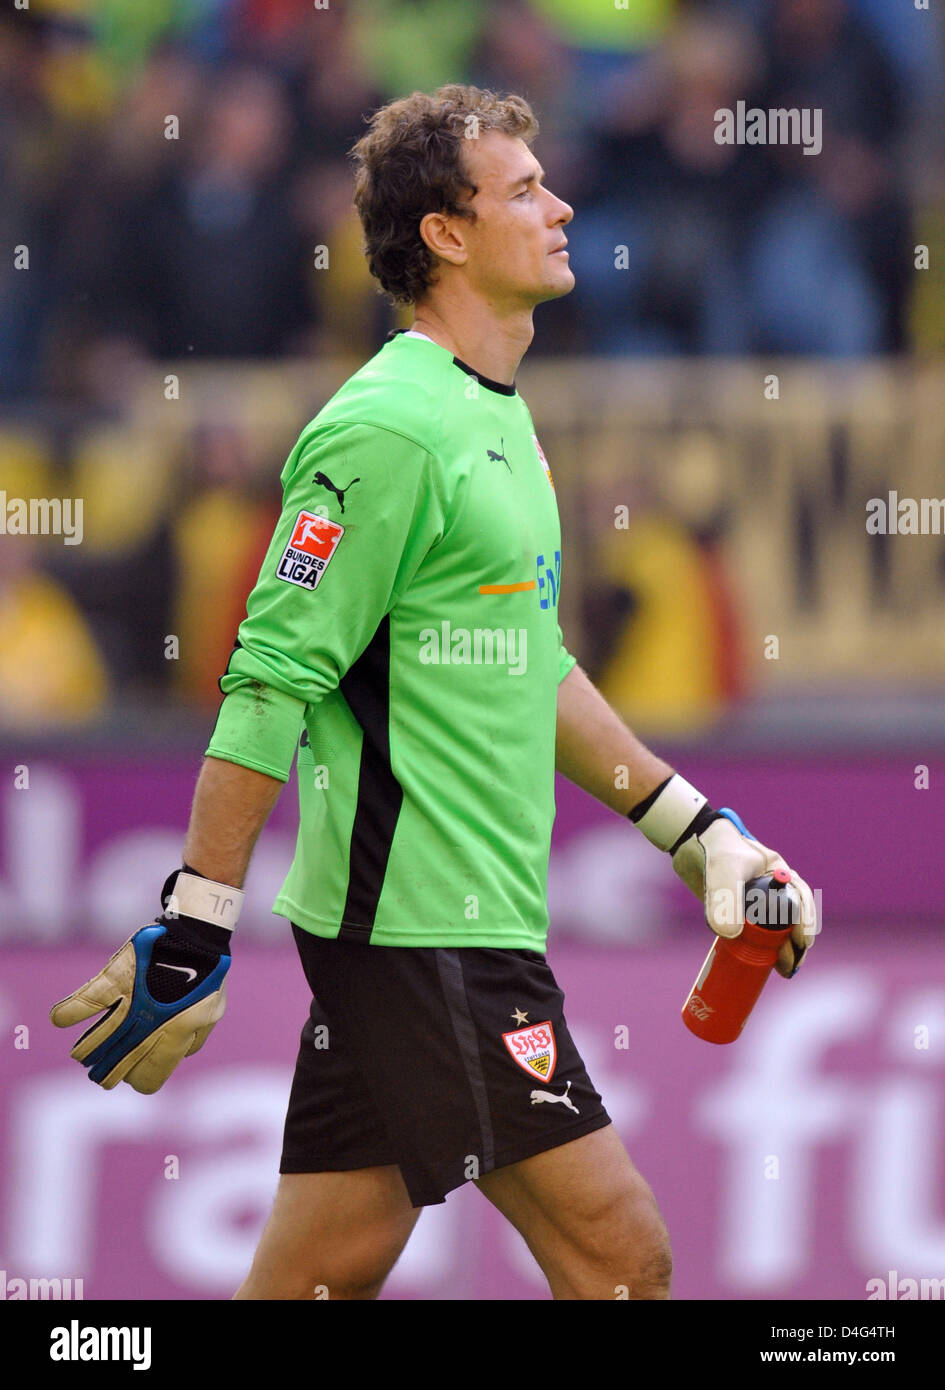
column 589, row 1218
column 334, row 1235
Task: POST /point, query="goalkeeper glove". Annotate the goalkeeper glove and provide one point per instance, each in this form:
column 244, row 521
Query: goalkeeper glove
column 715, row 856
column 163, row 990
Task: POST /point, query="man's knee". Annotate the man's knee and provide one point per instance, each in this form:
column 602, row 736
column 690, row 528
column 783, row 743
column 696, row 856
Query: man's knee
column 358, row 1275
column 326, row 1275
column 624, row 1238
column 646, row 1249
column 331, row 1236
column 355, row 1292
column 652, row 1267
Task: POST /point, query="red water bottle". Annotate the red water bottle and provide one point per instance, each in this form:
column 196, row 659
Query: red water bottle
column 735, row 971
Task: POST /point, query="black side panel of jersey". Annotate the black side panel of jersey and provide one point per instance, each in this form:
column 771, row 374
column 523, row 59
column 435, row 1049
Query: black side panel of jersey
column 366, row 687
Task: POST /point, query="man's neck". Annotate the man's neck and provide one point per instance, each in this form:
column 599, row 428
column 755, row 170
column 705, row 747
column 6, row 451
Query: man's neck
column 492, row 346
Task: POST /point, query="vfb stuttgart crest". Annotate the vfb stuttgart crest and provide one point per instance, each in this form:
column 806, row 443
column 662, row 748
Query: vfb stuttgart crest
column 543, row 461
column 534, row 1049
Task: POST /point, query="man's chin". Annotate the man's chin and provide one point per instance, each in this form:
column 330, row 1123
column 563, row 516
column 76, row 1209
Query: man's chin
column 556, row 289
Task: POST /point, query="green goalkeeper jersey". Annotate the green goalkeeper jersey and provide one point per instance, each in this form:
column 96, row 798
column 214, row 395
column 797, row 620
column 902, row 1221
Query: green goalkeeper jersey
column 406, row 613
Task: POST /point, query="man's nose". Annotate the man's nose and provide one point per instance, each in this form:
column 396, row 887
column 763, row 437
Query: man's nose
column 563, row 212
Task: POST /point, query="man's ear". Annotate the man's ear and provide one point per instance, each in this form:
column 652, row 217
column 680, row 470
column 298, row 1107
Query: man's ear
column 442, row 234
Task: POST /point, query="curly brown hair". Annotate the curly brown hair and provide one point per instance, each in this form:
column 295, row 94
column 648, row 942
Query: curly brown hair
column 410, row 163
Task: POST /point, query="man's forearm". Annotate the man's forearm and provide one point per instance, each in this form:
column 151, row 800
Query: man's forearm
column 231, row 805
column 596, row 750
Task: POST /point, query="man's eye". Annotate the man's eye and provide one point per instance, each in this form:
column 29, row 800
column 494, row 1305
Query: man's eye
column 525, row 194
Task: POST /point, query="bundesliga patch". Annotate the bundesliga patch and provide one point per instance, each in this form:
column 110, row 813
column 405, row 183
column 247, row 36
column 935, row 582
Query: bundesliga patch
column 543, row 461
column 534, row 1049
column 314, row 541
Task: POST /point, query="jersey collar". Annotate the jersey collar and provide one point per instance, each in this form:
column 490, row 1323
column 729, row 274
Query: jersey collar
column 498, row 386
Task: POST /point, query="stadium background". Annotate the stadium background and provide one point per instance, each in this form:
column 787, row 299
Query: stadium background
column 752, row 352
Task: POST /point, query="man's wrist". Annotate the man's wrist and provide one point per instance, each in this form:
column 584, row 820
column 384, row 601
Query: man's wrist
column 198, row 908
column 205, row 900
column 669, row 815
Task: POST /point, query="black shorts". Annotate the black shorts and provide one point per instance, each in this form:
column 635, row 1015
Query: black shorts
column 447, row 1062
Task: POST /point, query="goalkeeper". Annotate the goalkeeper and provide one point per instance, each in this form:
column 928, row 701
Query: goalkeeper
column 402, row 643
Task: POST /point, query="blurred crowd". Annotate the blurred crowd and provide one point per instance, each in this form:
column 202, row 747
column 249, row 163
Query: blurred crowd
column 176, row 187
column 172, row 166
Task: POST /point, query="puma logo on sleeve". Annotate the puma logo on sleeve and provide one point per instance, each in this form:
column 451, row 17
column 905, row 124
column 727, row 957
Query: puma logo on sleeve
column 323, row 480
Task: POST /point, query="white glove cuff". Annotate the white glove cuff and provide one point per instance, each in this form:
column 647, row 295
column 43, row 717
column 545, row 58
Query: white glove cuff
column 216, row 903
column 674, row 809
